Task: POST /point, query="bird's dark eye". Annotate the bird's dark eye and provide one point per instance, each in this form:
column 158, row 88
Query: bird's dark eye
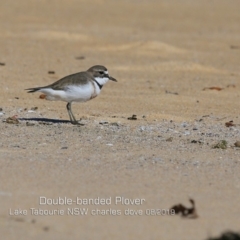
column 101, row 72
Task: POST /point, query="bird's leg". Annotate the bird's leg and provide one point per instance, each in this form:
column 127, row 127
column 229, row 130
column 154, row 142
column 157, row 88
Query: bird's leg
column 71, row 116
column 69, row 111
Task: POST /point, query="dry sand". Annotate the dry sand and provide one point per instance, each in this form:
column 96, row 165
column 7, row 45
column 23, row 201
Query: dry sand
column 154, row 49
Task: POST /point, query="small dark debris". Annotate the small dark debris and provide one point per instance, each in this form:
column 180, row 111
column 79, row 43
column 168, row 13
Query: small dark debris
column 184, row 211
column 229, row 235
column 80, row 57
column 1, row 109
column 34, row 108
column 230, row 124
column 221, row 144
column 213, row 88
column 19, row 219
column 64, row 147
column 234, row 47
column 196, row 141
column 103, row 123
column 46, row 123
column 170, row 139
column 33, row 221
column 51, row 72
column 42, row 96
column 237, row 144
column 16, row 146
column 231, row 85
column 194, row 129
column 16, row 97
column 174, row 93
column 45, row 229
column 143, row 116
column 2, row 64
column 29, row 124
column 115, row 124
column 12, row 120
column 133, row 117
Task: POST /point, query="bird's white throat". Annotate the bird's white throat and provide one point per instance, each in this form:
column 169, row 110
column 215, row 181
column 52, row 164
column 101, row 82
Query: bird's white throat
column 101, row 81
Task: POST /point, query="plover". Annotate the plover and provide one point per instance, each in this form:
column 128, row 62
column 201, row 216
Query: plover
column 78, row 87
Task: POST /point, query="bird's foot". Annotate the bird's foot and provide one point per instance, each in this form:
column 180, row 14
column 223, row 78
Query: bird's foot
column 77, row 123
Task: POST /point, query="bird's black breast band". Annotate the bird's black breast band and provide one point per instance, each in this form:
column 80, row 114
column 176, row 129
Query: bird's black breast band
column 100, row 86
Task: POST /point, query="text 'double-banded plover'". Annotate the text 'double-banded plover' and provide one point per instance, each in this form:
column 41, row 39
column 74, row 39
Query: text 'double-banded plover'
column 78, row 87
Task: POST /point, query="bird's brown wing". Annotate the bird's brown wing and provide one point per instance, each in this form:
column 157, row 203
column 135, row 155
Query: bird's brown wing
column 80, row 78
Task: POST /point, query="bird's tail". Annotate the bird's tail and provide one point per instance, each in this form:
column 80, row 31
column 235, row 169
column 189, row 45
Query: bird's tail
column 31, row 90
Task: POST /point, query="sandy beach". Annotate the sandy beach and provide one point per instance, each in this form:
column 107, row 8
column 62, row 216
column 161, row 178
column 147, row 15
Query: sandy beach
column 177, row 66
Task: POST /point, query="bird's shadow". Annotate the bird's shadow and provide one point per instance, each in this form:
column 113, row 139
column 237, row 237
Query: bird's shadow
column 46, row 120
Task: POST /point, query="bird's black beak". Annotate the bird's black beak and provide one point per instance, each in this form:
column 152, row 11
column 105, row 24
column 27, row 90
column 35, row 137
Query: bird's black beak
column 113, row 79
